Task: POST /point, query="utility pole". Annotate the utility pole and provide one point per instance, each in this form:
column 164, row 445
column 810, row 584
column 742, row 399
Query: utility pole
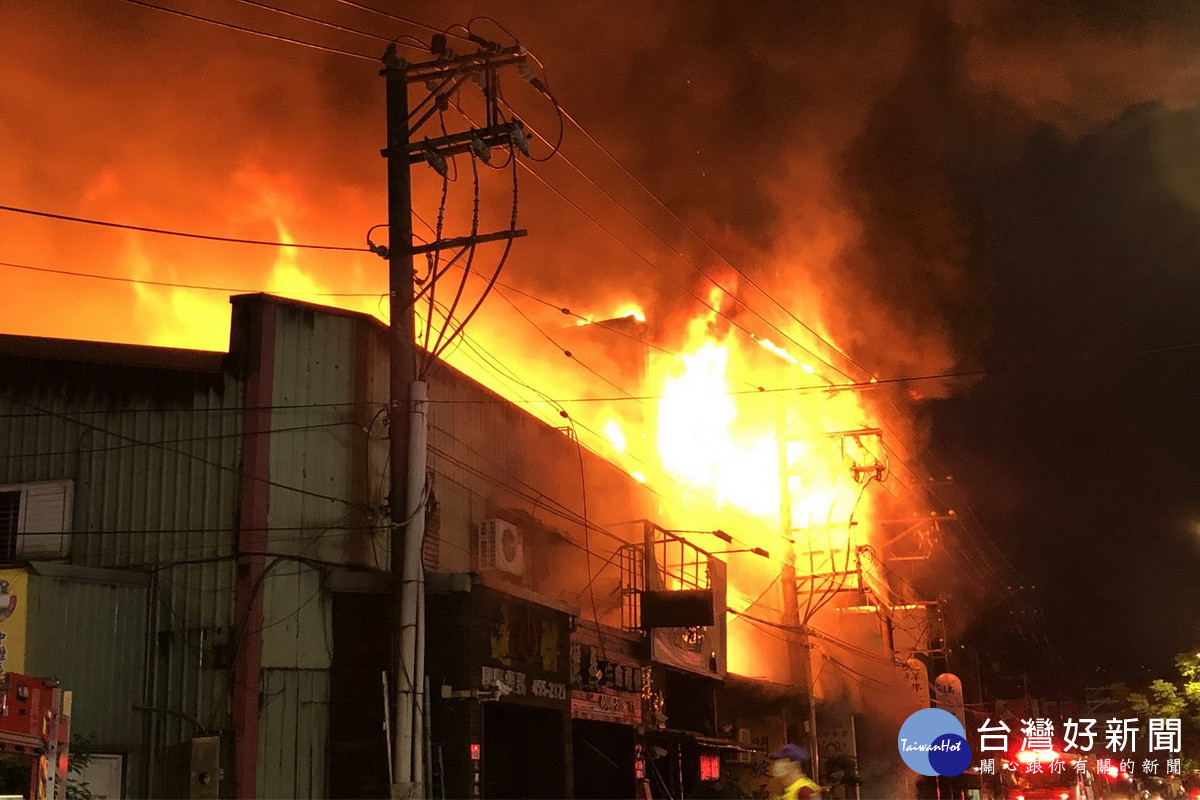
column 407, row 392
column 799, row 642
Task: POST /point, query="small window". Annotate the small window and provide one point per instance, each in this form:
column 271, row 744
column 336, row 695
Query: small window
column 10, row 517
column 35, row 520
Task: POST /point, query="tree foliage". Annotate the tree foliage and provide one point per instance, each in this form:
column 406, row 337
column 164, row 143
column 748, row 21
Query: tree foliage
column 1176, row 698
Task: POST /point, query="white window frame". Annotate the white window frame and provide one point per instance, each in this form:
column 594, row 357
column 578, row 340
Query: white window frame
column 35, row 534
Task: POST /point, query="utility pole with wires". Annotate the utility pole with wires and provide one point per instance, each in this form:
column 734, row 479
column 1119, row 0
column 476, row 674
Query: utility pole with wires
column 443, row 75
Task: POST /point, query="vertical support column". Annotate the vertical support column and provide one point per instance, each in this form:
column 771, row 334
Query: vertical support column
column 799, row 644
column 258, row 324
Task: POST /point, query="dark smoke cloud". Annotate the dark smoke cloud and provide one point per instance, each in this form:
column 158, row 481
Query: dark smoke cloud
column 826, row 148
column 880, row 167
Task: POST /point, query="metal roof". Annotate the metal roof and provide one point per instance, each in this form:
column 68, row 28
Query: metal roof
column 132, row 355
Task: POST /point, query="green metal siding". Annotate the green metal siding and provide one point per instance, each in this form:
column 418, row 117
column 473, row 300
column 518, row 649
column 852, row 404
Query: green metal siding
column 87, row 628
column 321, row 422
column 154, row 455
column 324, row 431
column 294, row 733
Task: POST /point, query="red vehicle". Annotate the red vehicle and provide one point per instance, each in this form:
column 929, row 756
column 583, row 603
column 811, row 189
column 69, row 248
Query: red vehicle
column 35, row 723
column 1042, row 775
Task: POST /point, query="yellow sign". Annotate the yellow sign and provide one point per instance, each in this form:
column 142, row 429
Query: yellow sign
column 14, row 611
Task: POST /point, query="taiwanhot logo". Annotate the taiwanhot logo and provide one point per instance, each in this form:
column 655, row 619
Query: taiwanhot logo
column 933, row 742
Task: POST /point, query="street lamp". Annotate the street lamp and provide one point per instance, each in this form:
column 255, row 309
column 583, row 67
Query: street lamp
column 758, row 551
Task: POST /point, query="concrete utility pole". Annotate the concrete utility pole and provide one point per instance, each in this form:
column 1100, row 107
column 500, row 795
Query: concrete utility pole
column 799, row 643
column 406, row 430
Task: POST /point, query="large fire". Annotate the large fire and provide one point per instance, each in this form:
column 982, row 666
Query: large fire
column 693, row 422
column 671, row 387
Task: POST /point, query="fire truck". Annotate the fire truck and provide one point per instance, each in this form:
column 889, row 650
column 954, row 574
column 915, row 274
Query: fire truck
column 35, row 723
column 1042, row 775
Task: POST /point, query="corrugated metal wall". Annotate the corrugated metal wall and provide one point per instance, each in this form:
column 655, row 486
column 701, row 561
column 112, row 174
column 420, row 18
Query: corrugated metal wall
column 291, row 763
column 327, row 442
column 100, row 615
column 154, row 456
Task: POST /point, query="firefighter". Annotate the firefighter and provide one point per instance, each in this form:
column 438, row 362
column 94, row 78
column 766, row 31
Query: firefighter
column 788, row 764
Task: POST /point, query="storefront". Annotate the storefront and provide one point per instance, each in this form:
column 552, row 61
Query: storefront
column 606, row 712
column 499, row 674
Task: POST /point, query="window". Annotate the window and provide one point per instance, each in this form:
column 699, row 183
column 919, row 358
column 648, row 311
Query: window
column 10, row 508
column 35, row 520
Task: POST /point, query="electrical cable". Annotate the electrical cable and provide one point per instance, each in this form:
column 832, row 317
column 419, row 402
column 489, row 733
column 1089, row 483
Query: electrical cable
column 587, row 547
column 508, row 243
column 702, row 240
column 184, row 234
column 831, row 591
column 231, row 435
column 562, row 349
column 253, row 31
column 198, row 287
column 216, row 464
column 508, row 374
column 449, row 313
column 435, row 260
column 316, row 21
column 555, row 147
column 414, row 23
column 670, row 278
column 674, row 250
column 286, row 406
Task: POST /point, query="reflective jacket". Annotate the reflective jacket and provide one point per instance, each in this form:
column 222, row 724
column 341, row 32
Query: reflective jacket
column 802, row 789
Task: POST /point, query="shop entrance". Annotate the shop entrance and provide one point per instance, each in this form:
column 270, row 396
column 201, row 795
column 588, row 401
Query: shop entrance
column 358, row 757
column 604, row 759
column 523, row 754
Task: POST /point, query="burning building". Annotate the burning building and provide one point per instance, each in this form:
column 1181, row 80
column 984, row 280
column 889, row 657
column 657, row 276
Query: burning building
column 693, row 439
column 591, row 632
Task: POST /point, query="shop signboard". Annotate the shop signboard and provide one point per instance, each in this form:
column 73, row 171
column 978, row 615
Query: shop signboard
column 524, row 652
column 620, row 707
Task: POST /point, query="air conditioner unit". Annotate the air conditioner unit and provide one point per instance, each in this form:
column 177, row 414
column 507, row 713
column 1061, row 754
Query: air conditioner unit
column 501, row 546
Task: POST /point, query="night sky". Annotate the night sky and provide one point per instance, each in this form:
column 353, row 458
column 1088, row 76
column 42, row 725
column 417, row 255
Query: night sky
column 1079, row 455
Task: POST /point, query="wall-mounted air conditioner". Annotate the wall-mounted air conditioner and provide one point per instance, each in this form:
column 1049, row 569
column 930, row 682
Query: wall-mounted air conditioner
column 501, row 546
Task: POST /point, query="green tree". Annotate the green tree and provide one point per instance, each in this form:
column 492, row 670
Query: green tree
column 14, row 770
column 1178, row 698
column 82, row 748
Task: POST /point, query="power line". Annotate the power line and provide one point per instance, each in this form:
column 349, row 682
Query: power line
column 233, row 435
column 316, row 21
column 225, row 467
column 173, row 285
column 706, row 243
column 501, row 370
column 185, row 234
column 160, row 410
column 232, row 528
column 254, row 31
column 391, row 16
column 699, row 270
column 670, row 278
column 560, row 348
